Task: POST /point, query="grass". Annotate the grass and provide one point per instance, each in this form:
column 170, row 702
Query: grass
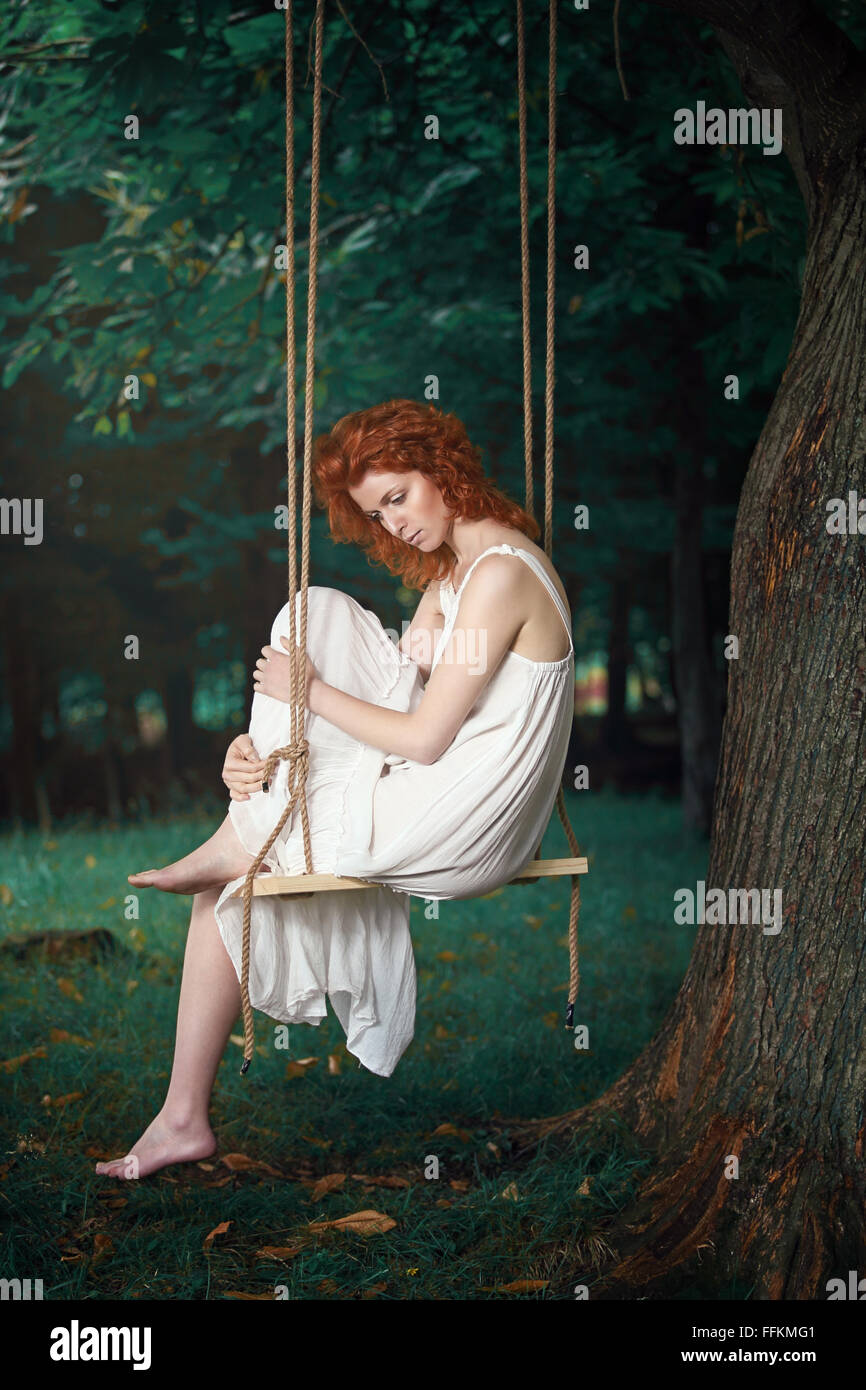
column 489, row 1049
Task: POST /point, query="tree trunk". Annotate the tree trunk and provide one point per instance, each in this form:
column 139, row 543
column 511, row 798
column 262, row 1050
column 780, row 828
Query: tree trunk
column 761, row 1055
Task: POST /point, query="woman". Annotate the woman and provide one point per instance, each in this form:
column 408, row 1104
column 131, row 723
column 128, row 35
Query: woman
column 433, row 765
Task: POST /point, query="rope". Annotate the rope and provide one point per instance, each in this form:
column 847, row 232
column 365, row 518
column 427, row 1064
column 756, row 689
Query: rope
column 296, row 751
column 574, row 910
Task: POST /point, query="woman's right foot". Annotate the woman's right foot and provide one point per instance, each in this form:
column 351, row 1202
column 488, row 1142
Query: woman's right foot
column 214, row 864
column 161, row 1144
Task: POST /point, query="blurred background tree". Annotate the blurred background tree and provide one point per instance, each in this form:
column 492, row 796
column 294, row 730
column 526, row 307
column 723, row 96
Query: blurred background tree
column 142, row 152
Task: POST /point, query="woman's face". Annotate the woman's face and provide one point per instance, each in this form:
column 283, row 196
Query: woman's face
column 409, row 505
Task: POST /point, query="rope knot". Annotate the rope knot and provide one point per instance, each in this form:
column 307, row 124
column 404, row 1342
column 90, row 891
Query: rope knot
column 296, row 752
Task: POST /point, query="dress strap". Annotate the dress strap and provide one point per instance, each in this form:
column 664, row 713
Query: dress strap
column 536, row 565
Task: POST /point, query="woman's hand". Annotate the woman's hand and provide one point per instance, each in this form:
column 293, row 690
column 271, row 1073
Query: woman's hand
column 242, row 769
column 272, row 675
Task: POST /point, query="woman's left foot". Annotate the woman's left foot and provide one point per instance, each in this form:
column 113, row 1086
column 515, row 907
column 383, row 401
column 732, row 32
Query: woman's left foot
column 161, row 1144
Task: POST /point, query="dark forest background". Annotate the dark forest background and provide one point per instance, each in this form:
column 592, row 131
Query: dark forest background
column 155, row 257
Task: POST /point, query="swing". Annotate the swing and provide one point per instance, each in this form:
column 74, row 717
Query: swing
column 296, row 751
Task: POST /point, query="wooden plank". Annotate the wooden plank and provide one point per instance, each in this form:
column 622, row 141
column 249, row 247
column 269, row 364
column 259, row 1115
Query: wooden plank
column 302, row 885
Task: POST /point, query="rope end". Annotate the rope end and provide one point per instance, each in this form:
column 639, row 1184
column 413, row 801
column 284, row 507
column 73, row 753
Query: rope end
column 246, row 1066
column 569, row 1014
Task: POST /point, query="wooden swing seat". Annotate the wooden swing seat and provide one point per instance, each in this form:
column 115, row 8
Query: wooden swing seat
column 303, row 885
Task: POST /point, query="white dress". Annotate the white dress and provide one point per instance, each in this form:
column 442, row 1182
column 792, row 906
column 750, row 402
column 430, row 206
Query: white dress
column 455, row 828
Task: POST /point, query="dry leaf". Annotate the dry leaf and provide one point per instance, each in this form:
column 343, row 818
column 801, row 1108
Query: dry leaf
column 60, row 1035
column 59, row 1101
column 510, row 1192
column 451, row 1129
column 240, row 1163
column 327, row 1286
column 522, row 1286
column 7, row 897
column 447, row 956
column 219, row 1230
column 443, row 1202
column 441, row 1032
column 68, row 988
column 334, row 1064
column 365, row 1223
column 460, row 1184
column 279, row 1252
column 103, row 1246
column 583, row 1190
column 90, row 861
column 301, row 1066
column 236, row 1039
column 13, row 1063
column 109, row 902
column 329, row 1183
column 374, row 1291
column 252, row 1297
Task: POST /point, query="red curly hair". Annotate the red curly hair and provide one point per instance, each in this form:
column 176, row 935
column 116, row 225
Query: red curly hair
column 405, row 436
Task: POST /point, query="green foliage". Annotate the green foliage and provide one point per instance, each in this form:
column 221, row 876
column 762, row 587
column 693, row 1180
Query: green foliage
column 489, row 1049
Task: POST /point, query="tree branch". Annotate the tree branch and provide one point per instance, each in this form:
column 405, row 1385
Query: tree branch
column 788, row 54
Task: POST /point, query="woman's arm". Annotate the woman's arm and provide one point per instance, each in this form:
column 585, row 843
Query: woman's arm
column 490, row 616
column 419, row 640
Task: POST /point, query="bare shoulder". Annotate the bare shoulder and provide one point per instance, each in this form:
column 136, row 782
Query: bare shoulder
column 520, row 541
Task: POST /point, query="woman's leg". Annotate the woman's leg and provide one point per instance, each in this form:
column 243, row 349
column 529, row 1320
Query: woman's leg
column 207, row 1010
column 214, row 864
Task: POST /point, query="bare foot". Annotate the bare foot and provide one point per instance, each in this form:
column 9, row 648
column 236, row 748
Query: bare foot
column 161, row 1144
column 215, row 863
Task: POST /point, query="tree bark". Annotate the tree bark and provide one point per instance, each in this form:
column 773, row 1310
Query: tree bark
column 760, row 1056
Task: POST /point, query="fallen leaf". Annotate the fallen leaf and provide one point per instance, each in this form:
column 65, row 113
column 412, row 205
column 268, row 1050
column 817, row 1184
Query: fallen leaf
column 279, row 1252
column 7, row 897
column 441, row 1032
column 583, row 1190
column 460, row 1184
column 447, row 956
column 67, row 987
column 240, row 1163
column 443, row 1202
column 374, row 1291
column 300, row 1067
column 327, row 1286
column 60, row 1035
column 329, row 1183
column 334, row 1064
column 522, row 1286
column 90, row 861
column 208, row 1167
column 364, row 1223
column 510, row 1192
column 103, row 1246
column 59, row 1101
column 252, row 1297
column 13, row 1063
column 219, row 1230
column 109, row 902
column 236, row 1039
column 451, row 1129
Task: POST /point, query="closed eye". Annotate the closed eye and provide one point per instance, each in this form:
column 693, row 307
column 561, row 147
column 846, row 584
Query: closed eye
column 374, row 516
